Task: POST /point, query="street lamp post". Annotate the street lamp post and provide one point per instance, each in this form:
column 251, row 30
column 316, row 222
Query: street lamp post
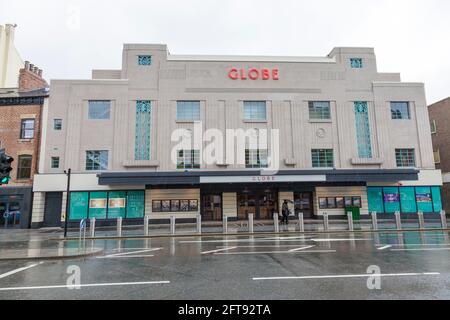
column 68, row 172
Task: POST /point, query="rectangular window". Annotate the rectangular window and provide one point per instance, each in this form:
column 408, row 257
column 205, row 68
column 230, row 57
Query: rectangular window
column 437, row 157
column 363, row 139
column 400, row 110
column 24, row 167
column 57, row 124
column 256, row 158
column 433, row 126
column 188, row 110
column 405, row 157
column 319, row 110
column 356, row 63
column 408, row 200
column 188, row 159
column 99, row 110
column 55, row 162
column 143, row 130
column 144, row 60
column 27, row 129
column 322, row 158
column 391, row 199
column 96, row 160
column 437, row 200
column 255, row 110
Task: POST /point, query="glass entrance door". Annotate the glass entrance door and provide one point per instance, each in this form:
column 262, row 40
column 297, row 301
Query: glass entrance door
column 211, row 208
column 261, row 204
column 246, row 205
column 303, row 202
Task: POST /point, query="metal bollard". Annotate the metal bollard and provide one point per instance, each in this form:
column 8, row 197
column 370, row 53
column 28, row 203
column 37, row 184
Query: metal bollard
column 443, row 220
column 325, row 221
column 172, row 224
column 350, row 221
column 146, row 225
column 119, row 226
column 92, row 227
column 199, row 223
column 398, row 220
column 276, row 224
column 421, row 220
column 225, row 224
column 301, row 222
column 250, row 222
column 374, row 221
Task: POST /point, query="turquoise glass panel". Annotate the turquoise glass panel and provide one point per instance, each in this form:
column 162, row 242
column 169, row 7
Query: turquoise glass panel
column 437, row 200
column 424, row 200
column 117, row 204
column 363, row 139
column 78, row 205
column 135, row 204
column 143, row 130
column 391, row 199
column 375, row 198
column 408, row 200
column 98, row 204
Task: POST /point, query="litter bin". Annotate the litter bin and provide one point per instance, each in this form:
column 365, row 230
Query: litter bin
column 355, row 211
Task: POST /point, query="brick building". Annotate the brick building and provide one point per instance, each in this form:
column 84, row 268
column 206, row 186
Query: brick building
column 440, row 132
column 20, row 133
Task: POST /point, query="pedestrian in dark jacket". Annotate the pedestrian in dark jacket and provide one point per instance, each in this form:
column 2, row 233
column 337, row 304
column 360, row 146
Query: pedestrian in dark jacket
column 285, row 212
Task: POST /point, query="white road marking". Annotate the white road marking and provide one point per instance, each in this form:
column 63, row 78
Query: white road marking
column 350, row 276
column 131, row 252
column 302, row 248
column 336, row 240
column 421, row 249
column 10, row 273
column 385, row 247
column 133, row 256
column 242, row 240
column 218, row 250
column 265, row 246
column 86, row 285
column 276, row 252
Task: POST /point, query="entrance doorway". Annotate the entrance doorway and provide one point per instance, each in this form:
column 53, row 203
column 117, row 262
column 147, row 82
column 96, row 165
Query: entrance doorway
column 261, row 204
column 212, row 207
column 52, row 211
column 303, row 202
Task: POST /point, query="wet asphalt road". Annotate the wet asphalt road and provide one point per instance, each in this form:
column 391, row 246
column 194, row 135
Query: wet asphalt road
column 317, row 266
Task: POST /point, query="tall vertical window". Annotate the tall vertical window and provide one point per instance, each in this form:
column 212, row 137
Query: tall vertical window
column 188, row 110
column 356, row 63
column 322, row 158
column 99, row 110
column 437, row 156
column 188, row 159
column 400, row 110
column 255, row 110
column 57, row 124
column 27, row 129
column 143, row 130
column 24, row 167
column 144, row 60
column 55, row 162
column 363, row 130
column 319, row 110
column 256, row 158
column 96, row 160
column 405, row 157
column 433, row 126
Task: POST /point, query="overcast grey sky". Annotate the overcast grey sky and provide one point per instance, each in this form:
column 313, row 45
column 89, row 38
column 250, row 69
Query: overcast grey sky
column 69, row 38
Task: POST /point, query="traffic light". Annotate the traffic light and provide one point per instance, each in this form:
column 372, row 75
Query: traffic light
column 5, row 167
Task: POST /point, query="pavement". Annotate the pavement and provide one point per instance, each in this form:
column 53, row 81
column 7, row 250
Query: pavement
column 342, row 265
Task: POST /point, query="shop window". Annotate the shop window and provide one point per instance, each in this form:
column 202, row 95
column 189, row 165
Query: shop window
column 188, row 159
column 437, row 201
column 255, row 110
column 322, row 158
column 356, row 63
column 143, row 130
column 175, row 205
column 96, row 160
column 144, row 60
column 24, row 167
column 400, row 110
column 424, row 199
column 391, row 199
column 188, row 110
column 99, row 110
column 405, row 158
column 27, row 129
column 408, row 200
column 319, row 110
column 339, row 202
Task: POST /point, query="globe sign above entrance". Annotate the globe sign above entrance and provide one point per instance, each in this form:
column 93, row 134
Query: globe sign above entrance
column 253, row 74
